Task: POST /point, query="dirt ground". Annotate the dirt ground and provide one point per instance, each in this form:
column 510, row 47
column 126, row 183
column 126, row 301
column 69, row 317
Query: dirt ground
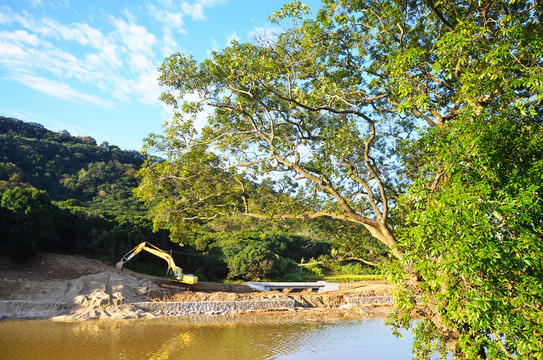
column 65, row 287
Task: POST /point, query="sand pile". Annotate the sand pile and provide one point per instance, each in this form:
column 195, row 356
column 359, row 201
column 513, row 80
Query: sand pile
column 102, row 295
column 67, row 287
column 106, row 295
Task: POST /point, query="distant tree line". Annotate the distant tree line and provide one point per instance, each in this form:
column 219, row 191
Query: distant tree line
column 31, row 222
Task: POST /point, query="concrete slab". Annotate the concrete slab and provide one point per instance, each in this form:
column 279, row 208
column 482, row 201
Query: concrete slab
column 320, row 286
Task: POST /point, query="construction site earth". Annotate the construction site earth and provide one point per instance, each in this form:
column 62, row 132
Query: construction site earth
column 65, row 287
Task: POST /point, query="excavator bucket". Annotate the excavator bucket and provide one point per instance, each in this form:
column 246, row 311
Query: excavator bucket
column 119, row 265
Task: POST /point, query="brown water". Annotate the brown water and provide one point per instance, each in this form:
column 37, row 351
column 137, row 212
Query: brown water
column 235, row 338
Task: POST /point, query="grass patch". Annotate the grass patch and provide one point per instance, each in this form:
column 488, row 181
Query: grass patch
column 332, row 277
column 347, row 278
column 229, row 281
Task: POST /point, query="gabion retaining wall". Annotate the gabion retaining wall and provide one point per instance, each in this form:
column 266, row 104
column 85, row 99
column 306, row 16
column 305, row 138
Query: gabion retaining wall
column 370, row 300
column 28, row 309
column 213, row 307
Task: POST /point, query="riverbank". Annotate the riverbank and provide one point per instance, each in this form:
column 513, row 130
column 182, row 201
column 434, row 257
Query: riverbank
column 63, row 287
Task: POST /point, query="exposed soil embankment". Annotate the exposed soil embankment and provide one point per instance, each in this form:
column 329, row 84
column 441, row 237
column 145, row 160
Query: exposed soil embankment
column 63, row 287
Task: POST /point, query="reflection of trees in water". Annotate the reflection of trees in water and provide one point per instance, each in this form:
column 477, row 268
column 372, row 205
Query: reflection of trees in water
column 196, row 337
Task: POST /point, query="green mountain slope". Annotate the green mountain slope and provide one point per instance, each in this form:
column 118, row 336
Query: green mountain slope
column 100, row 177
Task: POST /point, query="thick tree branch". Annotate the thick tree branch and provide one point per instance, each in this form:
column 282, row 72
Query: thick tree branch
column 439, row 15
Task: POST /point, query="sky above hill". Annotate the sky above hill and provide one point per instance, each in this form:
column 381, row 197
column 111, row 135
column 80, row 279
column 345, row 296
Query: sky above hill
column 90, row 67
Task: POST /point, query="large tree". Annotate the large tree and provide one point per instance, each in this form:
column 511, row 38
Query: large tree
column 419, row 121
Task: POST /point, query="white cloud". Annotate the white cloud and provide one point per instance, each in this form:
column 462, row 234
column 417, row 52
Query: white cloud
column 51, row 66
column 42, row 54
column 139, row 63
column 11, row 54
column 119, row 87
column 147, row 85
column 81, row 33
column 19, row 37
column 61, row 90
column 196, row 11
column 36, row 3
column 212, row 3
column 109, row 54
column 136, row 38
column 168, row 17
column 174, row 19
column 169, row 45
column 116, row 59
column 5, row 18
column 173, row 13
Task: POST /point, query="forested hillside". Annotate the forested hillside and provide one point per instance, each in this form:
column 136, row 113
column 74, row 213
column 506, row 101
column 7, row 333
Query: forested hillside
column 101, row 177
column 68, row 194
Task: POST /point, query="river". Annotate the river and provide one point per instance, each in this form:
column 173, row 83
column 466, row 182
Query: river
column 213, row 337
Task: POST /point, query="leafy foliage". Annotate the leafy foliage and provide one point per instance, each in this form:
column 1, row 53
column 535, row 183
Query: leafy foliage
column 84, row 203
column 474, row 234
column 413, row 120
column 100, row 218
column 252, row 253
column 179, row 190
column 27, row 222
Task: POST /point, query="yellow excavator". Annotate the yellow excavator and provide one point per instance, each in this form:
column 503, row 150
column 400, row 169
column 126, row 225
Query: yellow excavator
column 174, row 274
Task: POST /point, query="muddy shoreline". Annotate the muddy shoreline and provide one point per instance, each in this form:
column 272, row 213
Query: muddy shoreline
column 71, row 288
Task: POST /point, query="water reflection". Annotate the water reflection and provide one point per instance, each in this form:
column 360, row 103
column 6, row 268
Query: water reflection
column 228, row 337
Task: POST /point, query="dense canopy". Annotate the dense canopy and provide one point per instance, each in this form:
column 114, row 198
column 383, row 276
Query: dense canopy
column 418, row 121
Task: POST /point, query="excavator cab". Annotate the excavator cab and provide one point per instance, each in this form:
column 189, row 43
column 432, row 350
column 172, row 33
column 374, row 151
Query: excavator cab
column 175, row 273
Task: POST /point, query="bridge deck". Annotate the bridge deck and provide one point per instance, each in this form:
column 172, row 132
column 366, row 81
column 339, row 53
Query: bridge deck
column 320, row 286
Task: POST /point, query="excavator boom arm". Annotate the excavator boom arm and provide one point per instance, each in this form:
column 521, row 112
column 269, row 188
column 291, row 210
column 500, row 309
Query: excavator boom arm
column 174, row 272
column 151, row 249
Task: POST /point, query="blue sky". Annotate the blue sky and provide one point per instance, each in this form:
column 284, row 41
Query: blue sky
column 89, row 67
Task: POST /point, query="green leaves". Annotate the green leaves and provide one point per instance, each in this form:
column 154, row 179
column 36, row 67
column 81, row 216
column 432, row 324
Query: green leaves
column 474, row 233
column 419, row 121
column 291, row 105
column 293, row 10
column 27, row 222
column 188, row 191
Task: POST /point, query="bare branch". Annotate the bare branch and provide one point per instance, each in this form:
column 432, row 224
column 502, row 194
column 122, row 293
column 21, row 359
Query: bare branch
column 249, row 163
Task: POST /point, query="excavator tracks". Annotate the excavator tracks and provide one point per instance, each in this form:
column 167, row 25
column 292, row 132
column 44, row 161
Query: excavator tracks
column 174, row 285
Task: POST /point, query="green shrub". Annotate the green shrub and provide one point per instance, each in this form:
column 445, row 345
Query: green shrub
column 27, row 220
column 254, row 262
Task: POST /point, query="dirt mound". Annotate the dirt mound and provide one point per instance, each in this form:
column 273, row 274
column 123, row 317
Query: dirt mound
column 87, row 289
column 107, row 295
column 102, row 295
column 45, row 266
